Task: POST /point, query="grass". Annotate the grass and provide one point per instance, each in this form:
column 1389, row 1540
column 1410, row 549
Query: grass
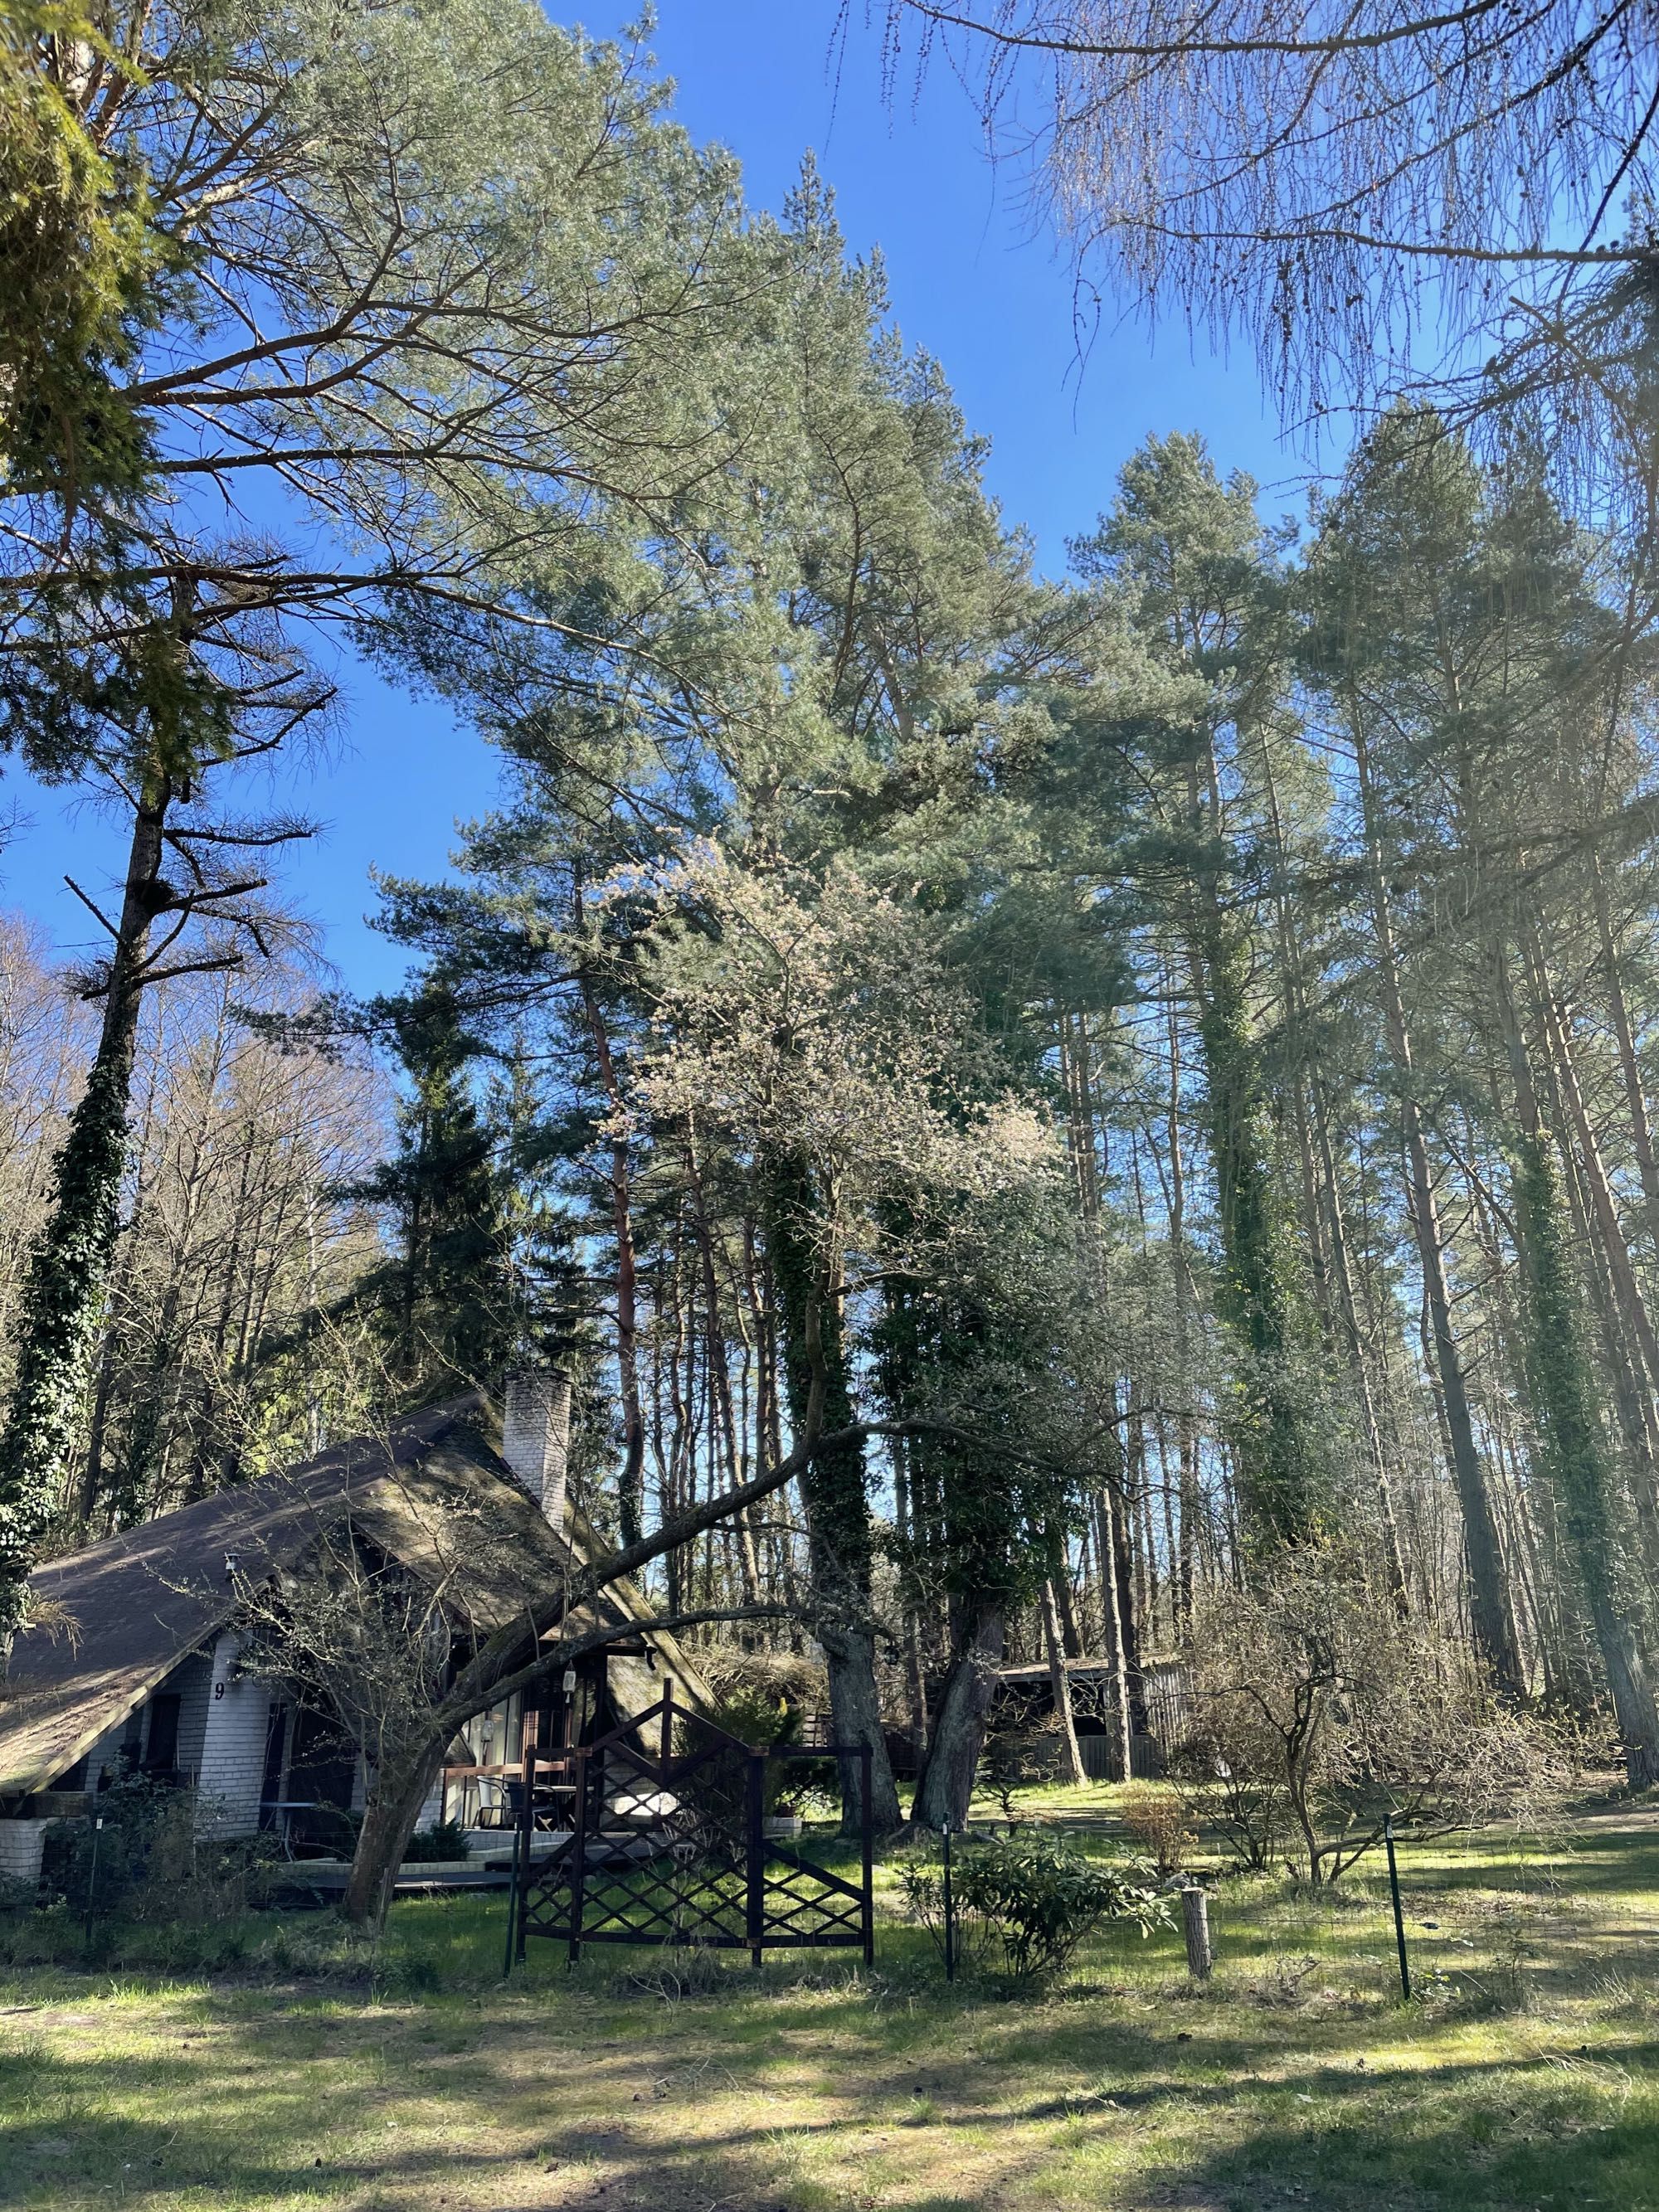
column 312, row 2076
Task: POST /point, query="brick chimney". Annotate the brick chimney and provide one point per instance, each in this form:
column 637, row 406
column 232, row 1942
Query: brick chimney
column 536, row 1441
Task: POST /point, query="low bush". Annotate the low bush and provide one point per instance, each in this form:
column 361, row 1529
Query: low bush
column 446, row 1840
column 1033, row 1899
column 717, row 1790
column 16, row 1895
column 140, row 1830
column 1157, row 1817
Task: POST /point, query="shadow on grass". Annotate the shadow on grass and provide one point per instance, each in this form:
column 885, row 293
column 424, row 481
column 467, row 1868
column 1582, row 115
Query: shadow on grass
column 811, row 2087
column 956, row 2104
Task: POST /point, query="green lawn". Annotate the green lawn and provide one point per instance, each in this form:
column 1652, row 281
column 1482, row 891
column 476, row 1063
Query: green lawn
column 1526, row 2077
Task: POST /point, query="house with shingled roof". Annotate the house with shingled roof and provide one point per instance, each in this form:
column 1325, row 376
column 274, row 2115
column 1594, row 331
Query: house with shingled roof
column 139, row 1667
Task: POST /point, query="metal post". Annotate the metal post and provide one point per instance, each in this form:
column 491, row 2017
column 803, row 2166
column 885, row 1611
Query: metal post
column 524, row 1829
column 92, row 1871
column 667, row 1727
column 949, row 1910
column 869, row 1840
column 579, row 1847
column 515, row 1937
column 756, row 1855
column 1399, row 1916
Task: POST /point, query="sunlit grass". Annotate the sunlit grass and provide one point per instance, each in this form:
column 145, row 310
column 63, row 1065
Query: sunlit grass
column 311, row 2071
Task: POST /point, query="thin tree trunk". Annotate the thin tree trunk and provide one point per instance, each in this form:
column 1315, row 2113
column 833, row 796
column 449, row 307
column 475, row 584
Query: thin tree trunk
column 630, row 1482
column 1060, row 1683
column 1185, row 1303
column 1493, row 1629
column 1632, row 1308
column 1348, row 1313
column 1117, row 1643
column 1629, row 1067
column 904, row 1521
column 1574, row 1449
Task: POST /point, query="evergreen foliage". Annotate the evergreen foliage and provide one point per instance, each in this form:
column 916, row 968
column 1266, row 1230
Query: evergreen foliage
column 1154, row 1067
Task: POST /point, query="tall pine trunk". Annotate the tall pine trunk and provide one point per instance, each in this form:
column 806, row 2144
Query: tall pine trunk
column 630, row 1483
column 1491, row 1619
column 840, row 1547
column 1353, row 1336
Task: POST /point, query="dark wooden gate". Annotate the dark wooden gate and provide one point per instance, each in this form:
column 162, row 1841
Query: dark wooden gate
column 669, row 1846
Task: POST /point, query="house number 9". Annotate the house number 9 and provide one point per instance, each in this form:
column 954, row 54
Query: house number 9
column 218, row 1689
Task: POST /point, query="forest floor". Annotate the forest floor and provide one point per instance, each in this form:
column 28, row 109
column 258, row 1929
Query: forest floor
column 1525, row 2074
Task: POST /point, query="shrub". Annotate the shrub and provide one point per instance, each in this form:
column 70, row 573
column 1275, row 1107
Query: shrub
column 756, row 1716
column 1157, row 1819
column 1035, row 1898
column 1322, row 1711
column 142, row 1819
column 922, row 1878
column 446, row 1839
column 717, row 1791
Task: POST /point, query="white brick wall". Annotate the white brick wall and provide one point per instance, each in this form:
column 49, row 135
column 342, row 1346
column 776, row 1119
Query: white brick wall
column 536, row 1439
column 20, row 1849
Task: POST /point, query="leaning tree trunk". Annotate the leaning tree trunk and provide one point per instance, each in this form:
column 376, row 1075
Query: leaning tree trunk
column 840, row 1547
column 946, row 1787
column 395, row 1799
column 64, row 1293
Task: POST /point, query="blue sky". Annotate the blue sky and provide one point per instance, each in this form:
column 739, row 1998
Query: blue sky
column 974, row 279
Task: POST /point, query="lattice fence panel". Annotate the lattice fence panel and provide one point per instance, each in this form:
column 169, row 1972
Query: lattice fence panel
column 670, row 1850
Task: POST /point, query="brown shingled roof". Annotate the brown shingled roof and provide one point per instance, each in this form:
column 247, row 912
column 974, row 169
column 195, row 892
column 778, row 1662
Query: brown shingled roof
column 138, row 1603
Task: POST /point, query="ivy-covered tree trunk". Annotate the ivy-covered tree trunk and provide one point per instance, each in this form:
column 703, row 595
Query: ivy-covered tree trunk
column 838, row 1541
column 1575, row 1457
column 1282, row 1491
column 1491, row 1618
column 63, row 1294
column 1577, row 1464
